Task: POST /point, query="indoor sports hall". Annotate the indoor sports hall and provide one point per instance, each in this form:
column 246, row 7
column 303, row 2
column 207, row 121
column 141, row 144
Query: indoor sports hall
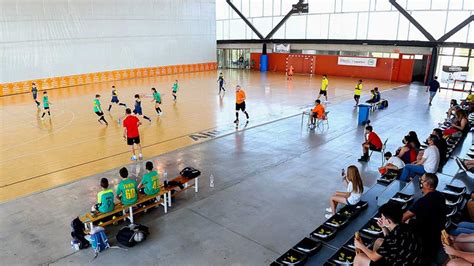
column 236, row 132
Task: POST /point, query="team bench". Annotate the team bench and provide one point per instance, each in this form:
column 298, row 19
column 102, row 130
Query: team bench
column 126, row 212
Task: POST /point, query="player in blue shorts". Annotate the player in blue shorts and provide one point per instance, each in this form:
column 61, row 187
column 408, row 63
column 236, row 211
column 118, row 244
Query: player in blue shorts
column 115, row 99
column 138, row 108
column 34, row 92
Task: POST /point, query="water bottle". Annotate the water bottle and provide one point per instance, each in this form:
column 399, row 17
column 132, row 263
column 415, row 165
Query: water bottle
column 165, row 177
column 211, row 181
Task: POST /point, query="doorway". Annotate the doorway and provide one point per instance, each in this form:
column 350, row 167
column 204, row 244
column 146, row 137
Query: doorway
column 233, row 58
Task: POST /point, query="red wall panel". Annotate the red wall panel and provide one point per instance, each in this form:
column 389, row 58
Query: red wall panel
column 386, row 69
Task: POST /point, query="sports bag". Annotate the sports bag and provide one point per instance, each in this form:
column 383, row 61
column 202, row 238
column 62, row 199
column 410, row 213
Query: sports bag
column 190, row 172
column 78, row 236
column 132, row 234
column 99, row 241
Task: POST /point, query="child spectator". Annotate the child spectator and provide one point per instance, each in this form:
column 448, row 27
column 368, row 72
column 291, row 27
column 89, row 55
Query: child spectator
column 352, row 195
column 127, row 189
column 105, row 198
column 393, row 163
column 372, row 142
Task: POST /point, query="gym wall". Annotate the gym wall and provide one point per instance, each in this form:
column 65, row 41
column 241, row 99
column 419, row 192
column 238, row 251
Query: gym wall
column 65, row 38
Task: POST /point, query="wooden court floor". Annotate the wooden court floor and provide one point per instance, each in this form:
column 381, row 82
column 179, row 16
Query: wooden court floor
column 40, row 154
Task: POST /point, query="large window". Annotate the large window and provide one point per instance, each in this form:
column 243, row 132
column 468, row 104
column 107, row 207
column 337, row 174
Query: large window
column 348, row 19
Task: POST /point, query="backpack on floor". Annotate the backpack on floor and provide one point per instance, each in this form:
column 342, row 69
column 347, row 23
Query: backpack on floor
column 132, row 234
column 99, row 241
column 78, row 235
column 384, row 103
column 190, row 172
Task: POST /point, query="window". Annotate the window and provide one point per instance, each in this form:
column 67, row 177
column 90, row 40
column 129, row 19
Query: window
column 296, row 27
column 342, row 26
column 263, row 25
column 280, row 34
column 238, row 5
column 447, row 51
column 460, row 61
column 382, row 5
column 257, row 8
column 362, row 26
column 383, row 31
column 219, row 33
column 317, row 27
column 276, row 7
column 222, row 9
column 433, row 21
column 237, row 29
column 321, row 6
column 403, row 27
column 245, row 8
column 418, row 5
column 440, row 4
column 355, row 5
column 455, row 5
column 454, row 18
column 267, row 7
column 462, row 51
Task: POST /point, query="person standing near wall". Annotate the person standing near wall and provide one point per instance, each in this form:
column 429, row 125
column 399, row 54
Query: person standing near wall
column 290, row 73
column 34, row 93
column 433, row 88
column 324, row 88
column 357, row 92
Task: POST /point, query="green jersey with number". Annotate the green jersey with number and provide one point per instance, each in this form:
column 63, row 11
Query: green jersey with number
column 105, row 198
column 127, row 188
column 151, row 183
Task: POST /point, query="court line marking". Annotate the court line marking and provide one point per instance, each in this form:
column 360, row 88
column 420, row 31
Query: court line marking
column 147, row 146
column 42, row 137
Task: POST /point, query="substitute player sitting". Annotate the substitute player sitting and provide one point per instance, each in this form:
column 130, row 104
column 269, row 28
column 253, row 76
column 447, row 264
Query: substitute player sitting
column 316, row 113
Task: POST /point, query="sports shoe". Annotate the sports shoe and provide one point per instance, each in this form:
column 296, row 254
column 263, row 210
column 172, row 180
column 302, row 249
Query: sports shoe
column 327, row 216
column 134, row 158
column 140, row 156
column 236, row 121
column 328, row 210
column 363, row 159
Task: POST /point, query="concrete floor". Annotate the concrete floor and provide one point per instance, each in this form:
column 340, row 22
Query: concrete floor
column 272, row 183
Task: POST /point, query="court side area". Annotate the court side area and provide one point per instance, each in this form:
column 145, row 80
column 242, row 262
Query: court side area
column 41, row 154
column 272, row 184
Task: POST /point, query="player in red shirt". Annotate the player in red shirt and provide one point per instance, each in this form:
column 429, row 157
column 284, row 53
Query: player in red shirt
column 131, row 133
column 372, row 142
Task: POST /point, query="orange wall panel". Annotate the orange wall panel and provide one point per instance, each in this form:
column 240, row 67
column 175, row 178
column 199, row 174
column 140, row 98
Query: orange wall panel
column 95, row 78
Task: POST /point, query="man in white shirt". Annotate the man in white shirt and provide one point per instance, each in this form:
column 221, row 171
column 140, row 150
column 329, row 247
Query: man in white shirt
column 427, row 164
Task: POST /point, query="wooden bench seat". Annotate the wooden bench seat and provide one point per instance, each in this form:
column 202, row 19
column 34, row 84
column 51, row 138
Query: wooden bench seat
column 122, row 212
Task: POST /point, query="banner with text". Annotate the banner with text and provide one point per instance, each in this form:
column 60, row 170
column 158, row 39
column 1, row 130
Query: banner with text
column 357, row 61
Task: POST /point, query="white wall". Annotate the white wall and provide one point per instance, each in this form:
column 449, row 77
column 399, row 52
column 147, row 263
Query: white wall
column 48, row 38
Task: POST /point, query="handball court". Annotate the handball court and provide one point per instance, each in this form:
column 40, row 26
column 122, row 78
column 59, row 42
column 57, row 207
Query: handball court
column 41, row 154
column 272, row 184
